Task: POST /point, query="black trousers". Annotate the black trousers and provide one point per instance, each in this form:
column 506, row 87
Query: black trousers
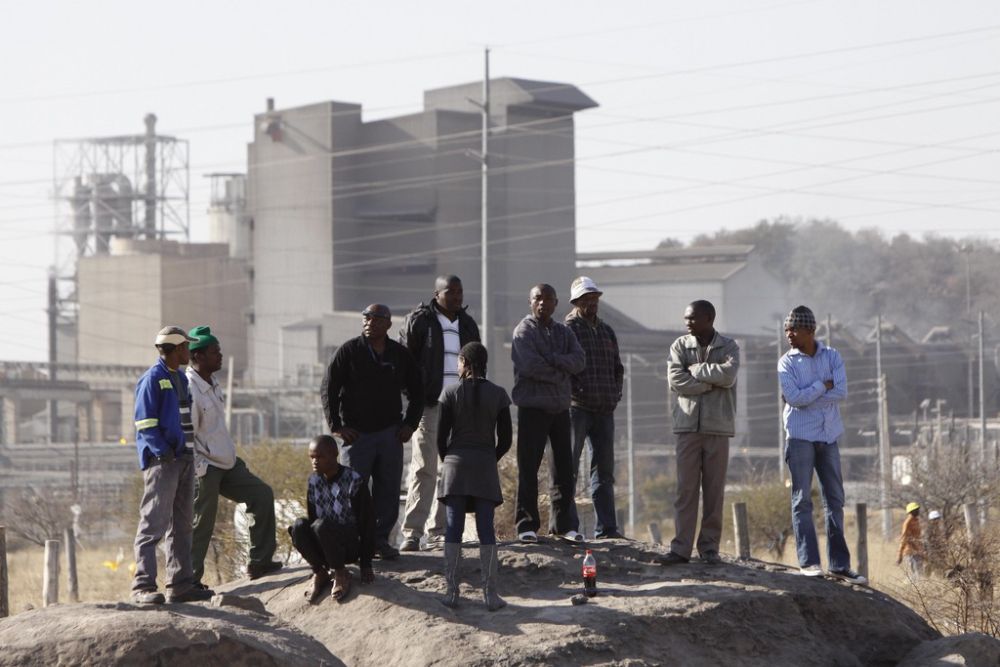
column 324, row 544
column 534, row 428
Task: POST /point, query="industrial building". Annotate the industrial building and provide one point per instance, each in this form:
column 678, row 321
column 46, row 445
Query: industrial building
column 750, row 300
column 348, row 212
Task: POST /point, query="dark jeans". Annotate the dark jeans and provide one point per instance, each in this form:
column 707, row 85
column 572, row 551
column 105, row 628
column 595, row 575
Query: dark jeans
column 802, row 458
column 379, row 456
column 455, row 510
column 534, row 428
column 325, row 544
column 599, row 431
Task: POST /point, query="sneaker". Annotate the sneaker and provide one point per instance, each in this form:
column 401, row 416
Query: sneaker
column 528, row 537
column 672, row 559
column 434, row 543
column 191, row 595
column 711, row 558
column 410, row 544
column 258, row 570
column 610, row 535
column 148, row 597
column 386, row 552
column 849, row 575
column 811, row 571
column 572, row 536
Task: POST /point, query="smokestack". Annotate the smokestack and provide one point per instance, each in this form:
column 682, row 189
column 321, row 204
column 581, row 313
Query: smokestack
column 150, row 221
column 270, row 104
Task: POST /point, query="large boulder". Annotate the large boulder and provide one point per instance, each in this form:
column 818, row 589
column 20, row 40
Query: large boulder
column 126, row 634
column 735, row 613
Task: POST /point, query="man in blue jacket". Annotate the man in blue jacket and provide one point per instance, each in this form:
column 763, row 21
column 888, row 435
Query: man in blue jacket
column 165, row 442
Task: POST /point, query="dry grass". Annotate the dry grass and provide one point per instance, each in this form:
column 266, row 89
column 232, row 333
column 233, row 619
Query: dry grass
column 97, row 582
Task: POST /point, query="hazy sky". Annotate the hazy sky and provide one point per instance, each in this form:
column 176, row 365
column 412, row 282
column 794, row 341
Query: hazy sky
column 712, row 114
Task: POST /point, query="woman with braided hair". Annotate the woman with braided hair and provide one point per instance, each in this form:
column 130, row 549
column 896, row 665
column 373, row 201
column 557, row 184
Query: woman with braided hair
column 474, row 432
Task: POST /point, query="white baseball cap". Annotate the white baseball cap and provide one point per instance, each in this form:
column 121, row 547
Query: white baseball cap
column 582, row 285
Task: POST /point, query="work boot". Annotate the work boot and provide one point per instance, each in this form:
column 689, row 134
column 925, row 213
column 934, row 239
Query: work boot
column 488, row 562
column 452, row 557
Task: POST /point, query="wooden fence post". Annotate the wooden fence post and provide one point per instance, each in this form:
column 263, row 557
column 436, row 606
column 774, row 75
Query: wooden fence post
column 4, row 603
column 74, row 587
column 861, row 552
column 971, row 520
column 742, row 527
column 50, row 577
column 654, row 533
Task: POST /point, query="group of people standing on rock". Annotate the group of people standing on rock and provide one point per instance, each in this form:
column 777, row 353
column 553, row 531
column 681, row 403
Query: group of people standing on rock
column 568, row 380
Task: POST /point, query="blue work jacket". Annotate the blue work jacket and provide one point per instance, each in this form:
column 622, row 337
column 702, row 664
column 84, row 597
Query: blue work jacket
column 158, row 427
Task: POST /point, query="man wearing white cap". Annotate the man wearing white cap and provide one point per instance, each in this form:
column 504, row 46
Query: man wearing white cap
column 596, row 392
column 165, row 443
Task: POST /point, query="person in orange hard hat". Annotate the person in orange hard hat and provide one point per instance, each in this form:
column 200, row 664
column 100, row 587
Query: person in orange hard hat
column 911, row 546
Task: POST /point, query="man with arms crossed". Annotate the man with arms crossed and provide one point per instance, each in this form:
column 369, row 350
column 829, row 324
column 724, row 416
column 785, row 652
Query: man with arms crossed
column 813, row 383
column 546, row 356
column 702, row 375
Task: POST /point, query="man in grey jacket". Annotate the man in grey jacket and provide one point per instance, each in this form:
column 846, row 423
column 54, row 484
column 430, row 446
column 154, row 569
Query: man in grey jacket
column 702, row 375
column 546, row 356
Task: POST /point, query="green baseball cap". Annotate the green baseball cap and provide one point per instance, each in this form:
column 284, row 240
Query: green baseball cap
column 203, row 338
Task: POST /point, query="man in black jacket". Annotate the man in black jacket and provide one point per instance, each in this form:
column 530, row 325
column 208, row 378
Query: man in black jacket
column 434, row 333
column 363, row 407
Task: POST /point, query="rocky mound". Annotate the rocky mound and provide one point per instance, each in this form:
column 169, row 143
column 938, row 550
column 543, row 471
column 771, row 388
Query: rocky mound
column 734, row 613
column 972, row 650
column 184, row 634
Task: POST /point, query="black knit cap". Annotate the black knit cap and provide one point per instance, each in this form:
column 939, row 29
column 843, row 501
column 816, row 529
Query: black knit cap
column 800, row 318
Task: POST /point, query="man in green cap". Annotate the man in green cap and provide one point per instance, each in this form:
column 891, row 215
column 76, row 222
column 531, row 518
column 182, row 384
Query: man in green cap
column 219, row 471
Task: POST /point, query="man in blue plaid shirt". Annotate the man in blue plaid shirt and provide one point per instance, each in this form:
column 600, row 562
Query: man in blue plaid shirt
column 813, row 383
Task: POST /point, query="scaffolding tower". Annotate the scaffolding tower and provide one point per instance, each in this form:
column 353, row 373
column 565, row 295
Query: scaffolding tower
column 133, row 187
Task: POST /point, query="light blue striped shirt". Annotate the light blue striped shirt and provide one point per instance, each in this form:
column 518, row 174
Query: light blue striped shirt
column 812, row 412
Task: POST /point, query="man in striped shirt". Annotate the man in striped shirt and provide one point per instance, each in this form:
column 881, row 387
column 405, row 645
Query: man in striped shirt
column 434, row 333
column 813, row 383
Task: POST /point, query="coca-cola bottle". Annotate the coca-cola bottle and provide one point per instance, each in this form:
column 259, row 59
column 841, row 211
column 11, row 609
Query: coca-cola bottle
column 589, row 570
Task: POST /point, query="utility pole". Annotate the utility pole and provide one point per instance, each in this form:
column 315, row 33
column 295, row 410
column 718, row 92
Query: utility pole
column 982, row 394
column 781, row 409
column 53, row 313
column 884, row 462
column 487, row 328
column 631, row 446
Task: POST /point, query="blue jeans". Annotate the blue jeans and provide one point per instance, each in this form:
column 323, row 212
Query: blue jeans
column 455, row 509
column 802, row 457
column 599, row 430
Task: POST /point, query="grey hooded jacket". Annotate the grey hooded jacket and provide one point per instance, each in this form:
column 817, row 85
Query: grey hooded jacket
column 704, row 392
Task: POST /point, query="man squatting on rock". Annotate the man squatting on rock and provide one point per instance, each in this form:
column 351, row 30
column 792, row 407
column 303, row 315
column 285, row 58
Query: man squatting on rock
column 340, row 523
column 165, row 445
column 813, row 383
column 434, row 333
column 361, row 396
column 546, row 356
column 702, row 374
column 218, row 470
